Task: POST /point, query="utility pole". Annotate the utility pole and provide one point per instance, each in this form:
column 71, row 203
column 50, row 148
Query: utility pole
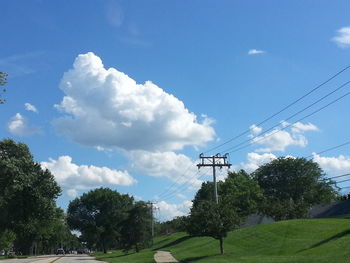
column 152, row 219
column 214, row 161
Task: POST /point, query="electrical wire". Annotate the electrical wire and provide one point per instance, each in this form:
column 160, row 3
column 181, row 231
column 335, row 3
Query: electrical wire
column 280, row 111
column 257, row 139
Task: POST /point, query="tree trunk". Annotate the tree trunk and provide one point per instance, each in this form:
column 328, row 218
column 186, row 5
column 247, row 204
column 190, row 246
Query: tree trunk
column 221, row 245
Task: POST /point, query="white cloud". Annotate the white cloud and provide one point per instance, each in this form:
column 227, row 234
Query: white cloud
column 255, row 129
column 300, row 127
column 343, row 37
column 72, row 193
column 73, row 176
column 254, row 160
column 106, row 108
column 169, row 211
column 19, row 126
column 30, row 107
column 255, row 52
column 176, row 167
column 278, row 141
column 333, row 165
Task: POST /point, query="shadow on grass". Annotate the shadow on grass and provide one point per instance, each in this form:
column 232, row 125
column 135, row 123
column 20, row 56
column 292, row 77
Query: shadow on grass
column 332, row 238
column 175, row 242
column 193, row 259
column 114, row 256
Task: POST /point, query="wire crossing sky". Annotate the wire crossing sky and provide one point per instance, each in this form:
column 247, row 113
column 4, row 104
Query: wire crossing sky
column 126, row 94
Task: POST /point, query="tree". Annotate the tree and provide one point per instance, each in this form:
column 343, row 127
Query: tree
column 291, row 186
column 98, row 215
column 7, row 237
column 3, row 81
column 239, row 196
column 136, row 228
column 27, row 194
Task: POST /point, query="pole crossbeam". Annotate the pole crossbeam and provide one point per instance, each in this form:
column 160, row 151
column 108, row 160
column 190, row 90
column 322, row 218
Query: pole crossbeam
column 214, row 161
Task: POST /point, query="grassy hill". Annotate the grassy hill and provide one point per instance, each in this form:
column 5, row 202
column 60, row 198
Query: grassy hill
column 312, row 240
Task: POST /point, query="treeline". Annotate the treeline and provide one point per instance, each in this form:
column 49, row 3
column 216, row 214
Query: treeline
column 30, row 221
column 107, row 219
column 285, row 188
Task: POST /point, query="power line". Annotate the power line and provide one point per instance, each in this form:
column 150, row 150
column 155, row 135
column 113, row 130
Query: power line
column 253, row 140
column 329, row 149
column 290, row 117
column 176, row 181
column 282, row 110
column 189, row 183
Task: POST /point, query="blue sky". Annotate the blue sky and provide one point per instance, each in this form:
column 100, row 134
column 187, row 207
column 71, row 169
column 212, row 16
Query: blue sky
column 127, row 94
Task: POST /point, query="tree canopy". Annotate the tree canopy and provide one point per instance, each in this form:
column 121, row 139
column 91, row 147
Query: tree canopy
column 291, row 186
column 136, row 229
column 239, row 196
column 99, row 215
column 27, row 195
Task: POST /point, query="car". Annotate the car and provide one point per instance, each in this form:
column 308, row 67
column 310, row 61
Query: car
column 60, row 251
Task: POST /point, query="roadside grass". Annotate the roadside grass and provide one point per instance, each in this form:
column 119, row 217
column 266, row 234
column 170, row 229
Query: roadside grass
column 293, row 241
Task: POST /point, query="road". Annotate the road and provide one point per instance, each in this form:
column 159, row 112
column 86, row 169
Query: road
column 54, row 259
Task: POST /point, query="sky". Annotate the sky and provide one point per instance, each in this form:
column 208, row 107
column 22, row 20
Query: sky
column 127, row 94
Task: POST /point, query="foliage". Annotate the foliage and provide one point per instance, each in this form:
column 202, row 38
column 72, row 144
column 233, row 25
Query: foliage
column 291, row 186
column 178, row 224
column 136, row 229
column 7, row 237
column 239, row 196
column 27, row 194
column 98, row 215
column 3, row 81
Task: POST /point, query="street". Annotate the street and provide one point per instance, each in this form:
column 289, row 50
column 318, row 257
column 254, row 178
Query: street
column 70, row 258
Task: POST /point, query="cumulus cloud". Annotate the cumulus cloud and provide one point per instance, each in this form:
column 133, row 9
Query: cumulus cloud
column 30, row 107
column 19, row 126
column 343, row 37
column 279, row 140
column 72, row 193
column 255, row 129
column 169, row 211
column 301, row 127
column 333, row 165
column 254, row 160
column 176, row 167
column 82, row 177
column 106, row 108
column 255, row 52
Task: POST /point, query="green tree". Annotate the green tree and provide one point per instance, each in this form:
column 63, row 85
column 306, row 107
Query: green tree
column 3, row 81
column 98, row 215
column 291, row 186
column 239, row 196
column 136, row 229
column 27, row 194
column 7, row 237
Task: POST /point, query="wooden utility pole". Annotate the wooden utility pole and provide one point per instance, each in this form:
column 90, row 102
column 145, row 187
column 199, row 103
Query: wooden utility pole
column 214, row 161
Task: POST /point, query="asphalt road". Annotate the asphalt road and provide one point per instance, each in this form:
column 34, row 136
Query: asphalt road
column 54, row 259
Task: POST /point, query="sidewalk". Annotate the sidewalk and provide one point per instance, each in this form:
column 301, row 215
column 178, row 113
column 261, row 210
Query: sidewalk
column 164, row 257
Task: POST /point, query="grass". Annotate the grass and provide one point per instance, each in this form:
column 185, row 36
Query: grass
column 294, row 241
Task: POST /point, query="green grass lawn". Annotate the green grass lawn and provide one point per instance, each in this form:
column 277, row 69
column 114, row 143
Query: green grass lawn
column 294, row 241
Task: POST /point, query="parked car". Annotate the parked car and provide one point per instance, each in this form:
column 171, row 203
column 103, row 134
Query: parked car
column 60, row 251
